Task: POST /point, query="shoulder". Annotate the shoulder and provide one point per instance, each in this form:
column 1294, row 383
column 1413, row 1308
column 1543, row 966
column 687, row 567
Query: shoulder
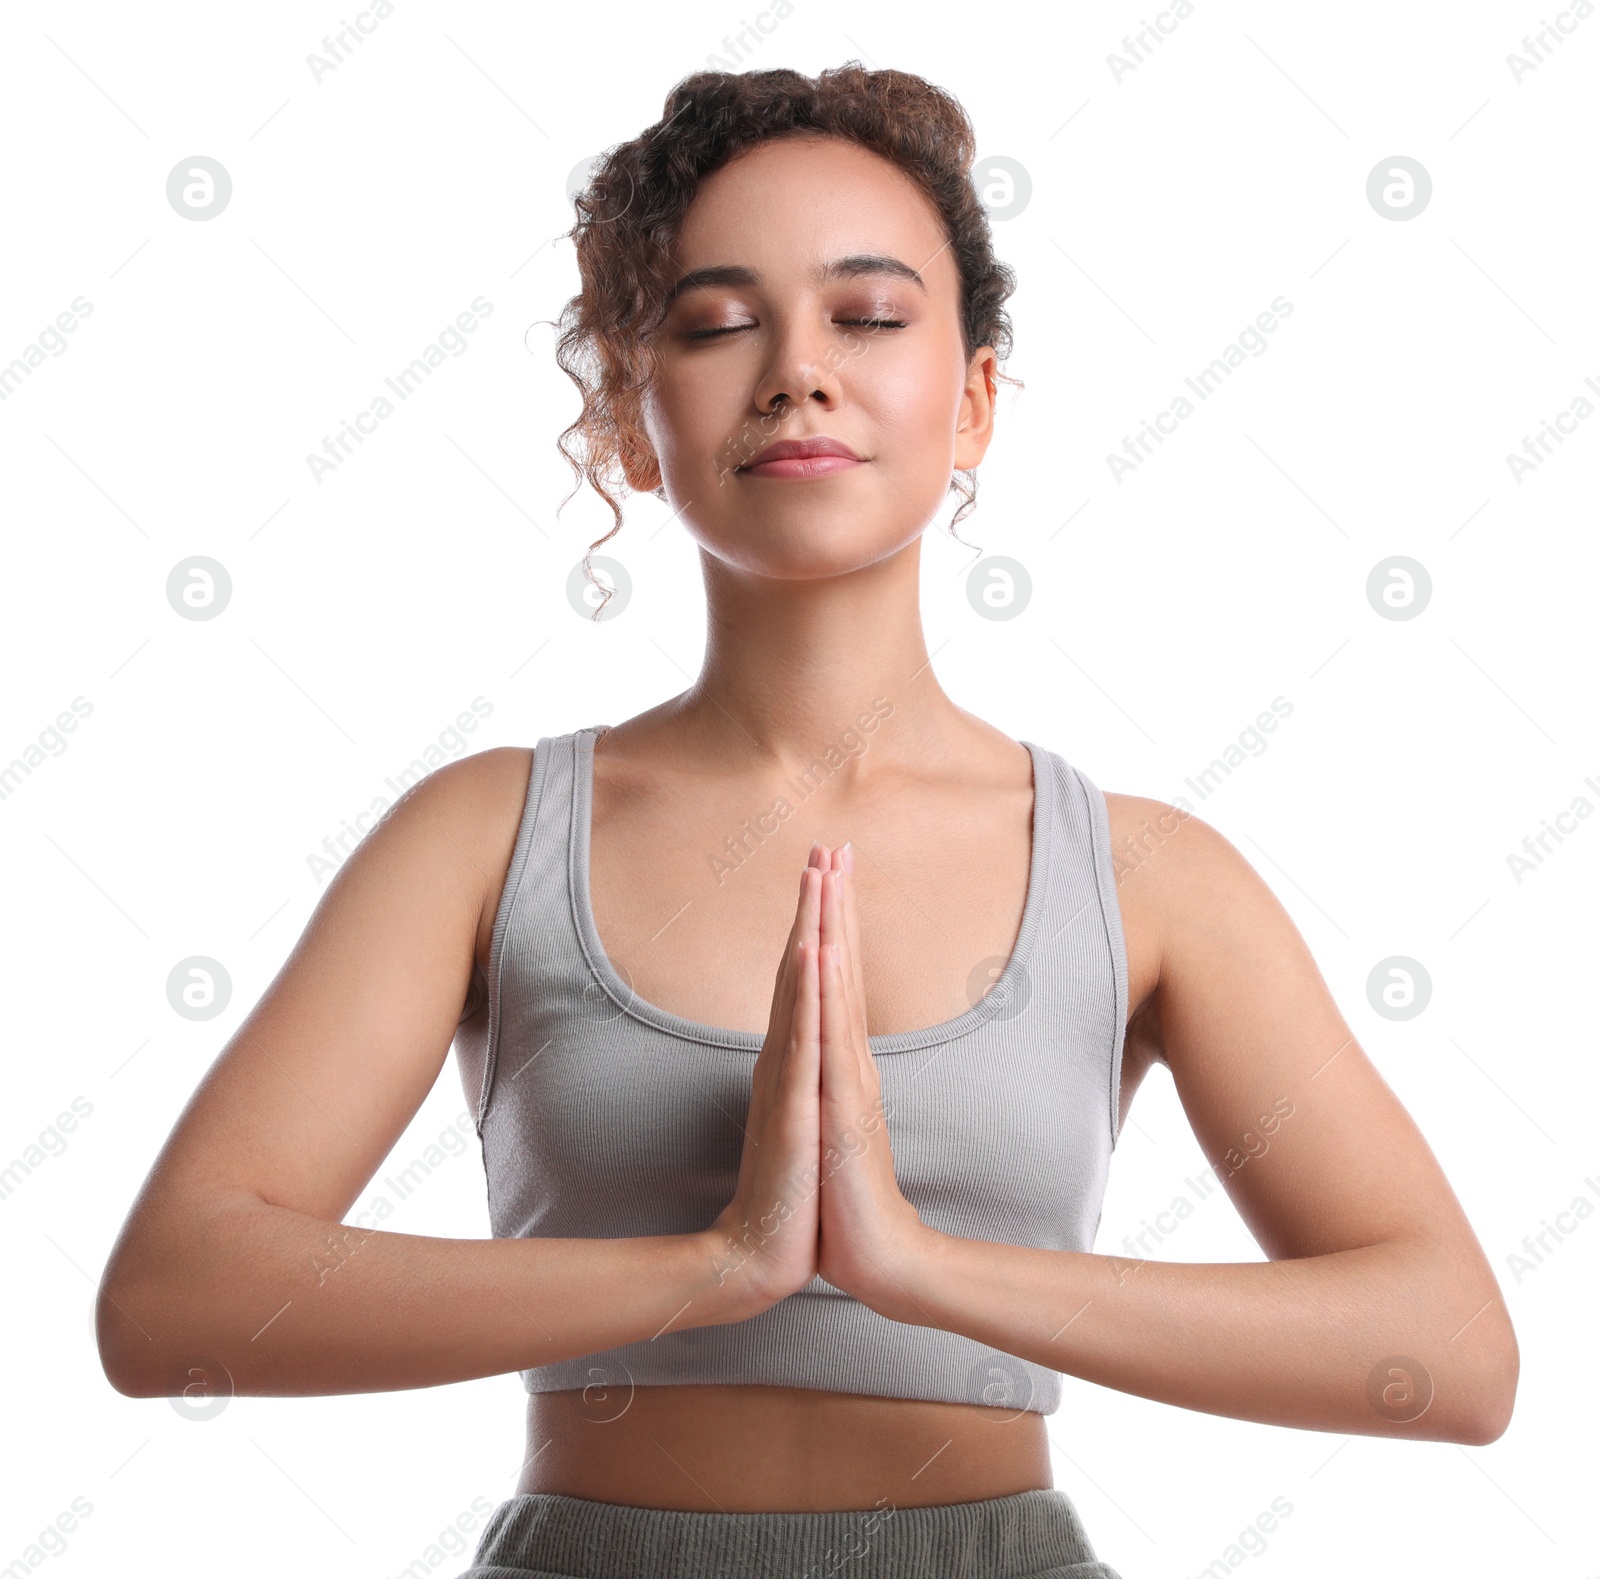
column 483, row 797
column 1171, row 836
column 1167, row 856
column 485, row 778
column 1192, row 906
column 470, row 796
column 1216, row 944
column 467, row 814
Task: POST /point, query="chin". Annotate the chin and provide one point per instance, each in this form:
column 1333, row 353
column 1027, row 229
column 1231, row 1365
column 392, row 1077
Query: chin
column 811, row 549
column 805, row 531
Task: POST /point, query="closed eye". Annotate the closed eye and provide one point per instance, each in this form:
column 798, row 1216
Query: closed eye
column 853, row 323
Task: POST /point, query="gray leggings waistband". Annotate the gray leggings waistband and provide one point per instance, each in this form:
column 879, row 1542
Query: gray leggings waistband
column 543, row 1535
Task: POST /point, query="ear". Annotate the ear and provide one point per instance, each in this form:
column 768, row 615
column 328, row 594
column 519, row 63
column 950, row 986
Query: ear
column 975, row 420
column 640, row 469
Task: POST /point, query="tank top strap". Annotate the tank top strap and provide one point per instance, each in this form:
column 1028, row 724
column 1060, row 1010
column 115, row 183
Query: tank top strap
column 534, row 932
column 1082, row 917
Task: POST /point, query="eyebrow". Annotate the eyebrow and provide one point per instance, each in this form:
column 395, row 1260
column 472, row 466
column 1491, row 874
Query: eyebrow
column 850, row 268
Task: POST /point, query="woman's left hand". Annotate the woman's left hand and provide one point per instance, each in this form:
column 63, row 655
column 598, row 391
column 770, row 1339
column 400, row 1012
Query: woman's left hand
column 869, row 1234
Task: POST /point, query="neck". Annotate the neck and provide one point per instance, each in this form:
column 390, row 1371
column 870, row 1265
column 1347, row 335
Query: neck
column 793, row 668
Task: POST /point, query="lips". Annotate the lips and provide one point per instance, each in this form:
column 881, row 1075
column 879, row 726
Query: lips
column 800, row 458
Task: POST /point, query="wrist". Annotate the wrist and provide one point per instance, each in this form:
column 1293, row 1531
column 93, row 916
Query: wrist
column 721, row 1280
column 909, row 1276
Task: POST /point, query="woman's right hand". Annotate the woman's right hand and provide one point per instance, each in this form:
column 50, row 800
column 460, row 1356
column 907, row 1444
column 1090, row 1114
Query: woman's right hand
column 765, row 1239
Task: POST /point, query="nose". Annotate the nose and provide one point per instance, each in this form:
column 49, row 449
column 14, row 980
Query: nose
column 803, row 366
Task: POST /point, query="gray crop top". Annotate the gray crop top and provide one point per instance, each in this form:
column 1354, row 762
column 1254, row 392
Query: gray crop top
column 603, row 1116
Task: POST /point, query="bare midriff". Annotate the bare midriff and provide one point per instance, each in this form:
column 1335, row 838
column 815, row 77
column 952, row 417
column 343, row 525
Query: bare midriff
column 749, row 1449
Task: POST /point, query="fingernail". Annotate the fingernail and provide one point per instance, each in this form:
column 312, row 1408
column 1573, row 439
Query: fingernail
column 849, row 856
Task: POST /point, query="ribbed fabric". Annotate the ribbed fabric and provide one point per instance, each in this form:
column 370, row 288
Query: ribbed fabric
column 1036, row 1534
column 604, row 1116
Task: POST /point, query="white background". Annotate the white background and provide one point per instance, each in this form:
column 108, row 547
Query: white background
column 1168, row 610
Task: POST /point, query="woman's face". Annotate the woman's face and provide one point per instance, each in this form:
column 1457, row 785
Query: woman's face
column 816, row 300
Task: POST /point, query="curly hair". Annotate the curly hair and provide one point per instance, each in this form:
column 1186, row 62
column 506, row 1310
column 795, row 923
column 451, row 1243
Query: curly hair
column 629, row 216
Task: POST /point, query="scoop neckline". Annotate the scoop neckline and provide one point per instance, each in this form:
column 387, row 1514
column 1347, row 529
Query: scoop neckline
column 1042, row 822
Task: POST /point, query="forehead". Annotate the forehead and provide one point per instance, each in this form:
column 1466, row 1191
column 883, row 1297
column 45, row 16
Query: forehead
column 790, row 204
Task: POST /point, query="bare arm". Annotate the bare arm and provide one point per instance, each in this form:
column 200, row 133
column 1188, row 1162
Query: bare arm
column 1378, row 1313
column 234, row 1258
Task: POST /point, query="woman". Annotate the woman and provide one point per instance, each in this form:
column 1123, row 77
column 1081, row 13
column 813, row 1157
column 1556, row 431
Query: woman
column 791, row 1260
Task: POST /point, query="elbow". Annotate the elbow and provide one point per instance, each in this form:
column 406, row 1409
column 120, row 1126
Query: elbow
column 1497, row 1382
column 1488, row 1424
column 167, row 1315
column 1491, row 1429
column 168, row 1294
column 119, row 1359
column 133, row 1324
column 1475, row 1370
column 1496, row 1398
column 1476, row 1409
column 127, row 1352
column 139, row 1367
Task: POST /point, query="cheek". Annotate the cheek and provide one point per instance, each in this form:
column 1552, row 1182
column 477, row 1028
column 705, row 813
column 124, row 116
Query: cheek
column 914, row 402
column 681, row 414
